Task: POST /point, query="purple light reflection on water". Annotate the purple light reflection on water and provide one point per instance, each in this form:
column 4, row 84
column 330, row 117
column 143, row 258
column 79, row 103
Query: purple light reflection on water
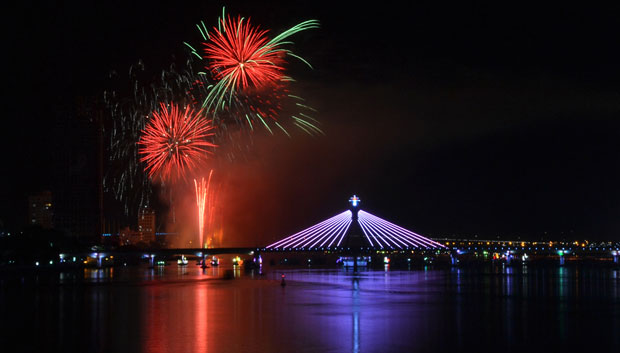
column 186, row 309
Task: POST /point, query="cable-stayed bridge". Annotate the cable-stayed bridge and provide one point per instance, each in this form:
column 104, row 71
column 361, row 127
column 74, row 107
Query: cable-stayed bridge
column 355, row 228
column 357, row 232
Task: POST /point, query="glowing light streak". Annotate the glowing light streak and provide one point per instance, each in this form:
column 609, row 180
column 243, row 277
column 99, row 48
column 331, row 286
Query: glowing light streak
column 201, row 197
column 369, row 231
column 249, row 122
column 204, row 202
column 392, row 236
column 417, row 239
column 264, row 123
column 343, row 233
column 309, row 242
column 311, row 231
column 307, row 124
column 379, row 233
column 395, row 229
column 281, row 128
column 307, row 107
column 308, row 117
column 307, row 239
column 319, row 234
column 372, row 228
column 303, row 233
column 333, row 232
column 402, row 238
column 416, row 242
column 366, row 232
column 302, row 128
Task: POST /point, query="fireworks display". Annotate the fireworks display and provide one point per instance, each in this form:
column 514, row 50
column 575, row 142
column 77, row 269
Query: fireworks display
column 269, row 106
column 174, row 142
column 127, row 111
column 205, row 200
column 249, row 70
column 201, row 199
column 240, row 56
column 238, row 80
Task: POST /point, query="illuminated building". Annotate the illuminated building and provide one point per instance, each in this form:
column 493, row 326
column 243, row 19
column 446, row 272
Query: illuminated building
column 40, row 212
column 146, row 225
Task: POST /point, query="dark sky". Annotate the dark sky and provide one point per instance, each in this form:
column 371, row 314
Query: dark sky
column 476, row 119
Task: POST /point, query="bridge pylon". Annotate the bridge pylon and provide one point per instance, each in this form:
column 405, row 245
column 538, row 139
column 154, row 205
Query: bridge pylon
column 204, row 260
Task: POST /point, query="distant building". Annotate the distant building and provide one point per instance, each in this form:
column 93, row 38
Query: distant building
column 40, row 212
column 75, row 181
column 146, row 225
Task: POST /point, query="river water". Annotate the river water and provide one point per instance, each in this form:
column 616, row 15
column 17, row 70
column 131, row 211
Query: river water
column 187, row 309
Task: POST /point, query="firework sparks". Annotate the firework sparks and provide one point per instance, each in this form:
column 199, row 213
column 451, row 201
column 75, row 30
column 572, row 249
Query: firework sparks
column 201, row 195
column 146, row 157
column 202, row 190
column 242, row 57
column 269, row 107
column 128, row 107
column 205, row 202
column 174, row 142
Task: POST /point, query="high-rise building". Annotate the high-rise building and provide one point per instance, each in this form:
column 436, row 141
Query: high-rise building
column 40, row 212
column 146, row 225
column 75, row 182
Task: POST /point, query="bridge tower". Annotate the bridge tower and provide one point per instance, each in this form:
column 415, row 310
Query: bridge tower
column 355, row 201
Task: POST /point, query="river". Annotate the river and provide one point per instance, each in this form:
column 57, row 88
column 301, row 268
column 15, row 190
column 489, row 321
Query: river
column 426, row 309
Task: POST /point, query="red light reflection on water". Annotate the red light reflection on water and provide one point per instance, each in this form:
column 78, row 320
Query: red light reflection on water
column 175, row 319
column 201, row 339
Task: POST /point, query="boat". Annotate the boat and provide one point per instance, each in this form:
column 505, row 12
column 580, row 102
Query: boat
column 237, row 261
column 349, row 261
column 182, row 261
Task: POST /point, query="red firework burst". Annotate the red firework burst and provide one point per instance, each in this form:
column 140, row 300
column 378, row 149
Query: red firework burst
column 174, row 142
column 243, row 55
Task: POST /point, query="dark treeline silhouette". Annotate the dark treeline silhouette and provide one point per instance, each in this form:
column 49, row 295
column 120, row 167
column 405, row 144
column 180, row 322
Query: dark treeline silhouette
column 38, row 244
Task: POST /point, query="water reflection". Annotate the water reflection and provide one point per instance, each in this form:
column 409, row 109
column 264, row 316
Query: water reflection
column 202, row 320
column 356, row 315
column 95, row 274
column 188, row 309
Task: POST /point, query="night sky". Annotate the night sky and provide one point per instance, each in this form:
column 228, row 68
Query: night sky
column 474, row 119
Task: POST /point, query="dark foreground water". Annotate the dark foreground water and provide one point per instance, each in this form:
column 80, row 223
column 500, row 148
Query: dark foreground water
column 174, row 309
